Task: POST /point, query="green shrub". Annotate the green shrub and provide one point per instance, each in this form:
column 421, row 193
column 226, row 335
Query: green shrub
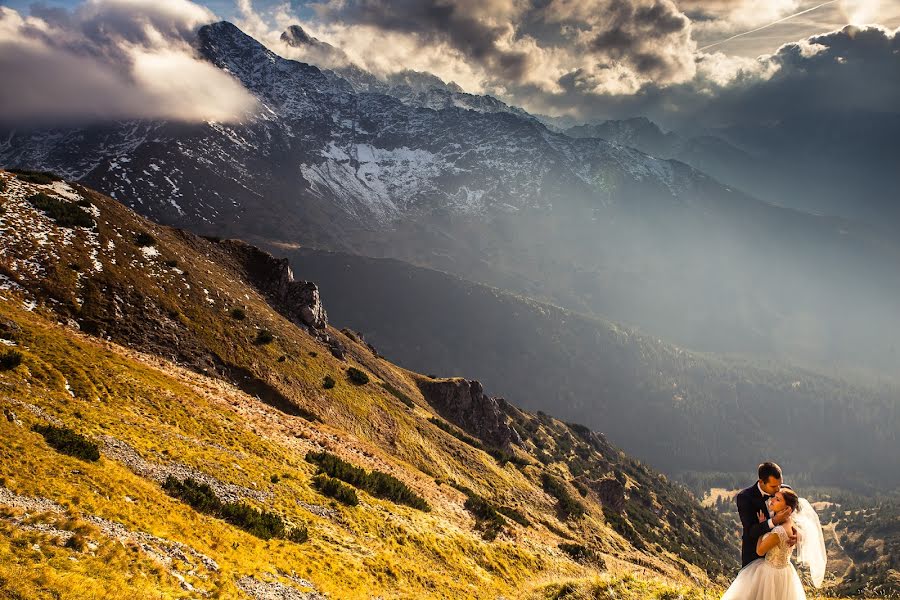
column 171, row 263
column 328, row 383
column 261, row 523
column 333, row 488
column 489, row 520
column 577, row 551
column 144, row 240
column 378, row 484
column 199, row 496
column 77, row 542
column 446, row 427
column 514, row 515
column 67, row 441
column 274, row 478
column 313, row 353
column 10, row 359
column 356, row 376
column 398, row 394
column 582, row 491
column 238, row 314
column 566, row 504
column 298, row 534
column 499, row 455
column 64, row 214
column 38, row 177
column 263, row 337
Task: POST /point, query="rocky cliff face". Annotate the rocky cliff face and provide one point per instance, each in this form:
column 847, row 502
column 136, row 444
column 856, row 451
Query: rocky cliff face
column 299, row 301
column 464, row 403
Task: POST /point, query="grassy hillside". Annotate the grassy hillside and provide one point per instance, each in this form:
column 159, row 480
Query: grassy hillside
column 170, row 430
column 706, row 412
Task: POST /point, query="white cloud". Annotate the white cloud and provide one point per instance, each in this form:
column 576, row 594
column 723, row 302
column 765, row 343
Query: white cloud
column 112, row 59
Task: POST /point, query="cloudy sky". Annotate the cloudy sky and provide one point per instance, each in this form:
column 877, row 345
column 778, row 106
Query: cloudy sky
column 673, row 60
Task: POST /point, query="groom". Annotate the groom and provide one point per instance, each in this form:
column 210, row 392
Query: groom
column 754, row 512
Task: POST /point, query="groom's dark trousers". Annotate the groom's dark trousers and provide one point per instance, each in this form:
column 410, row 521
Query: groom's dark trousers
column 749, row 503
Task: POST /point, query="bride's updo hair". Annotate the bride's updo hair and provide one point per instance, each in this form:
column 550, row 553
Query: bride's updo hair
column 790, row 497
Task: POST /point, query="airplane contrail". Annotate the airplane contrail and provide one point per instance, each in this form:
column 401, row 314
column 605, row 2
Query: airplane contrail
column 802, row 12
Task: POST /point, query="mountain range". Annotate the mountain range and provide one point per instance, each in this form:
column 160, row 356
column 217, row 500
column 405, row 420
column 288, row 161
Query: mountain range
column 496, row 197
column 847, row 169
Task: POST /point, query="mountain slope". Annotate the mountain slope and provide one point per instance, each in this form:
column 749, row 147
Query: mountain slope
column 707, row 413
column 172, row 328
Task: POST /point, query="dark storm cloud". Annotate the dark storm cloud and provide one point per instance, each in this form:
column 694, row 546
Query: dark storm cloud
column 538, row 41
column 854, row 69
column 474, row 32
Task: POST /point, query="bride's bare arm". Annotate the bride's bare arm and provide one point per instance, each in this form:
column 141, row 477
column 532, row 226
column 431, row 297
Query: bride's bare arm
column 766, row 543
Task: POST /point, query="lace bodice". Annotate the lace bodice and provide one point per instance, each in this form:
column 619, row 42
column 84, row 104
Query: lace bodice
column 780, row 555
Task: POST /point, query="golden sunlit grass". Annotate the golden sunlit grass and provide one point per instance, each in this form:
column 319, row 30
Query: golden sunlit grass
column 378, row 546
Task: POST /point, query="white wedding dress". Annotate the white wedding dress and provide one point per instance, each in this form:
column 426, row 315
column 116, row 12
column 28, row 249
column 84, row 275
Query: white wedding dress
column 774, row 577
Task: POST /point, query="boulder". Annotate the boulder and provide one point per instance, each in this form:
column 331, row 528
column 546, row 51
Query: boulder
column 611, row 493
column 464, row 403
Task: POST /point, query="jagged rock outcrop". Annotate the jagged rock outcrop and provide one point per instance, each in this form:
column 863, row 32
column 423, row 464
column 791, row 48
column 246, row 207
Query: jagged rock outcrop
column 611, row 493
column 464, row 403
column 299, row 301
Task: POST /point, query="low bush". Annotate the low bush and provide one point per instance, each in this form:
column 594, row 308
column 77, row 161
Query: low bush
column 38, row 177
column 238, row 314
column 447, row 428
column 67, row 441
column 398, row 394
column 263, row 524
column 356, row 376
column 76, row 542
column 328, row 382
column 489, row 520
column 10, row 359
column 200, row 496
column 378, row 484
column 263, row 337
column 514, row 515
column 298, row 534
column 502, row 457
column 64, row 214
column 568, row 506
column 144, row 240
column 333, row 488
column 577, row 552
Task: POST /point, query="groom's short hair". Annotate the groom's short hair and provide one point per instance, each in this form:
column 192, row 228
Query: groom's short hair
column 768, row 469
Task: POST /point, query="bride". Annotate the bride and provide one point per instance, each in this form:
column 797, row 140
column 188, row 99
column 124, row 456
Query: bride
column 775, row 578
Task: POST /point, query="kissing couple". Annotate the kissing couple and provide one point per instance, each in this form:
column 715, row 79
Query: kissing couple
column 776, row 521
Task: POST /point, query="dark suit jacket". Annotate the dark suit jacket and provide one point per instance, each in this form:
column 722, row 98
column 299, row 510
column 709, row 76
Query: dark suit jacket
column 749, row 503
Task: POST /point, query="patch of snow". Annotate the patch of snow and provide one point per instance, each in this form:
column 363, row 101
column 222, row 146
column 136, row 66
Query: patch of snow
column 65, row 190
column 149, row 251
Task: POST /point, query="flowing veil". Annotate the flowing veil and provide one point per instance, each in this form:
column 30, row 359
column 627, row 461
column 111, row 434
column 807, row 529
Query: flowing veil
column 811, row 542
